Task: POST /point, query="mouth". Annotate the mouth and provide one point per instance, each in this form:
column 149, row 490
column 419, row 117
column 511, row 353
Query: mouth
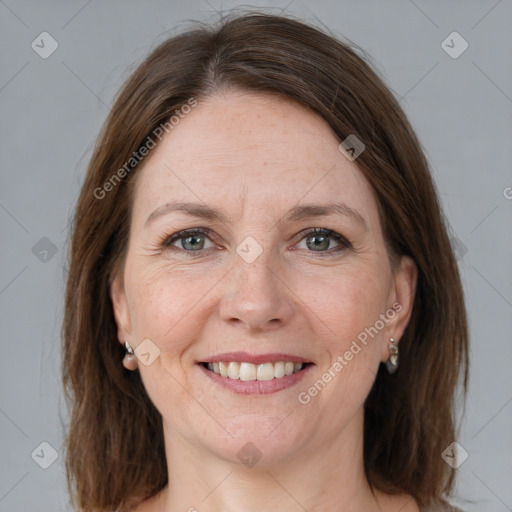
column 245, row 374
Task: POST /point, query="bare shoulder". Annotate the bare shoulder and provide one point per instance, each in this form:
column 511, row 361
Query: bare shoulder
column 150, row 505
column 393, row 502
column 441, row 506
column 407, row 503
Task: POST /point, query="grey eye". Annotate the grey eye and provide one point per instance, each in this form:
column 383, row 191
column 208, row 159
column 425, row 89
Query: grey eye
column 321, row 242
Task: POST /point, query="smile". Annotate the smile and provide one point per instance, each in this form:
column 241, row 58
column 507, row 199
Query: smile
column 248, row 374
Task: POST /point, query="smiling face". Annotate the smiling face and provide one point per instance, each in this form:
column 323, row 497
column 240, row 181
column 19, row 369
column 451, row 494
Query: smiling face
column 255, row 280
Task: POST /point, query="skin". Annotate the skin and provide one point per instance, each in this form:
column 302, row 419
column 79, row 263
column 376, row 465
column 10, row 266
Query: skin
column 256, row 156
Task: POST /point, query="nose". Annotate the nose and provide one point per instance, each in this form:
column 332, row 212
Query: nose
column 256, row 295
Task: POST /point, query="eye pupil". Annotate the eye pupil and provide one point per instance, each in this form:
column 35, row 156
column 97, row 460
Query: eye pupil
column 318, row 244
column 188, row 239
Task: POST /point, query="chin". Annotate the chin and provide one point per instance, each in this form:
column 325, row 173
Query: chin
column 259, row 440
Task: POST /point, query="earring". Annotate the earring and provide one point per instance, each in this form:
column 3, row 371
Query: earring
column 392, row 362
column 129, row 360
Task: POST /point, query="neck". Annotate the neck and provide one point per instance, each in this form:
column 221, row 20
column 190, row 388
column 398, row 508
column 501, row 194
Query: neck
column 325, row 475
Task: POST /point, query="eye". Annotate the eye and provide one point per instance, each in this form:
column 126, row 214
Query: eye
column 319, row 240
column 191, row 240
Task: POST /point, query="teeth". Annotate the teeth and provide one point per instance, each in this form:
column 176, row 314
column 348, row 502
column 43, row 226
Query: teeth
column 279, row 370
column 234, row 370
column 265, row 371
column 249, row 371
column 223, row 369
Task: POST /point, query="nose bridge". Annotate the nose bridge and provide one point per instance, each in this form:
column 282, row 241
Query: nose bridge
column 256, row 297
column 255, row 267
column 256, row 261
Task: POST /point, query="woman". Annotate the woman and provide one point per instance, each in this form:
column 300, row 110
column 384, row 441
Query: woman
column 257, row 232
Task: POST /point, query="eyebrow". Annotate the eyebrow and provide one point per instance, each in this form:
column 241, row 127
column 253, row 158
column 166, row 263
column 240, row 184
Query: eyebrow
column 297, row 213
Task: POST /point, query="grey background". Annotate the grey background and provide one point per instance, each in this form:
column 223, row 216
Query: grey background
column 51, row 111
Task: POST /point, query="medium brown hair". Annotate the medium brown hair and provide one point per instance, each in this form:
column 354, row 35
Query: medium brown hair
column 115, row 446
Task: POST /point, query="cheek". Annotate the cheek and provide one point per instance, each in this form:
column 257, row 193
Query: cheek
column 338, row 390
column 348, row 303
column 165, row 305
column 348, row 309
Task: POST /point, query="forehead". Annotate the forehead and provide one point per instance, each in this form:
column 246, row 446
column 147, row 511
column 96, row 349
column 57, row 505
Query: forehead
column 244, row 150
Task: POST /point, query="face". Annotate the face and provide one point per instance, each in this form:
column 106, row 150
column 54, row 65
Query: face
column 259, row 277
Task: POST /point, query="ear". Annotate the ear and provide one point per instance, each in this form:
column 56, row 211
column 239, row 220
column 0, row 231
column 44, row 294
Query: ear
column 402, row 299
column 120, row 308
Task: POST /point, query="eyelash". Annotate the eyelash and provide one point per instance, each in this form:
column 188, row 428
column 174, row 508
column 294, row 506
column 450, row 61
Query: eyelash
column 166, row 242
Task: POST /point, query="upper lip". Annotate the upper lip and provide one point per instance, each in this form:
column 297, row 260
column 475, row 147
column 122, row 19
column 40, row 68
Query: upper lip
column 245, row 357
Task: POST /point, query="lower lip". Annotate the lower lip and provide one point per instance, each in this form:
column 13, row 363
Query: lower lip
column 256, row 387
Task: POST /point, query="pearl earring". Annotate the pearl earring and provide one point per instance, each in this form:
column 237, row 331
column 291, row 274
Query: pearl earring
column 392, row 362
column 129, row 360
